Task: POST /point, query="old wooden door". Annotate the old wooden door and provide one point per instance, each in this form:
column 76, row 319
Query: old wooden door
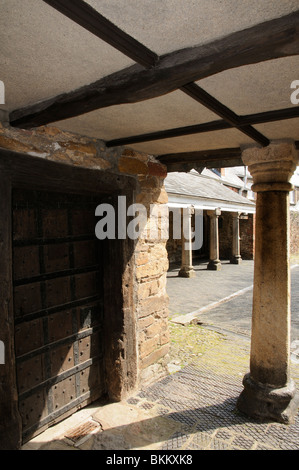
column 58, row 308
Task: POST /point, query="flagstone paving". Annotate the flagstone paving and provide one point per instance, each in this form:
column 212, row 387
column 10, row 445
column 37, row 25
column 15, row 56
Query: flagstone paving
column 193, row 408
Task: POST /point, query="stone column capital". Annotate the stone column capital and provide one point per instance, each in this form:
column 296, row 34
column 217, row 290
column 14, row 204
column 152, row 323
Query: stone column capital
column 191, row 211
column 271, row 167
column 214, row 213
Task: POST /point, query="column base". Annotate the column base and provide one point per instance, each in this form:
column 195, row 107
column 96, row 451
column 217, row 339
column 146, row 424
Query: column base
column 236, row 259
column 214, row 265
column 264, row 402
column 186, row 271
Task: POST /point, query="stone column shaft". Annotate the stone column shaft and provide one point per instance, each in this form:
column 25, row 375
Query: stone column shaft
column 269, row 361
column 236, row 255
column 269, row 391
column 214, row 263
column 187, row 269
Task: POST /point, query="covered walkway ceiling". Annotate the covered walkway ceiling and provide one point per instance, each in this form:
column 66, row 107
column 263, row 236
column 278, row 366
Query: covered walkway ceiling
column 189, row 81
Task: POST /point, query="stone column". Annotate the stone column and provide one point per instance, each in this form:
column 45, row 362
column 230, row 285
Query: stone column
column 269, row 391
column 186, row 267
column 236, row 255
column 214, row 263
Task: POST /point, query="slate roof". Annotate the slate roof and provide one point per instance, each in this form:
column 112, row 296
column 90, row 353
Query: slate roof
column 202, row 187
column 231, row 177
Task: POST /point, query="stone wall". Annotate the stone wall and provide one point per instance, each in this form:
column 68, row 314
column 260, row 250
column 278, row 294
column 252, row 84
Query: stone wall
column 225, row 235
column 150, row 312
column 247, row 230
column 294, row 233
column 151, row 270
column 174, row 246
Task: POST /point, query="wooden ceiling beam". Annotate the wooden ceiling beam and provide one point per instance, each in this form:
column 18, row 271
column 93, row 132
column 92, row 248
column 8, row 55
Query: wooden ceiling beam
column 243, row 121
column 269, row 40
column 198, row 165
column 171, row 133
column 201, row 155
column 84, row 15
column 216, row 158
column 270, row 116
column 204, row 98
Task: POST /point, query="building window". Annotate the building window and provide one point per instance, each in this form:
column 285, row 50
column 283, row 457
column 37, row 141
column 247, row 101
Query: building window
column 250, row 194
column 292, row 197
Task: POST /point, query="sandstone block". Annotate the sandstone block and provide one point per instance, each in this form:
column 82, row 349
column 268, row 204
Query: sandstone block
column 154, row 356
column 132, row 166
column 144, row 323
column 157, row 169
column 142, row 258
column 133, row 154
column 77, row 147
column 13, row 144
column 163, row 197
column 151, row 305
column 148, row 346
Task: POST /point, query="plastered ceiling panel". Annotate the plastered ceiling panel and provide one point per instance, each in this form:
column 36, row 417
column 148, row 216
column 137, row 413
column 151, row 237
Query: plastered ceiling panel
column 166, row 112
column 255, row 88
column 168, row 25
column 210, row 140
column 288, row 129
column 44, row 54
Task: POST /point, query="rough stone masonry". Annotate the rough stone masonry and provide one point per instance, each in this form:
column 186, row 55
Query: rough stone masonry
column 150, row 311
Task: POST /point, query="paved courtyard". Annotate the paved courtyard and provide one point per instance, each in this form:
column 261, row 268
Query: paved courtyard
column 194, row 407
column 223, row 299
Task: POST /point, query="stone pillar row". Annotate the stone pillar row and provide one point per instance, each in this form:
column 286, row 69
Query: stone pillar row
column 214, row 263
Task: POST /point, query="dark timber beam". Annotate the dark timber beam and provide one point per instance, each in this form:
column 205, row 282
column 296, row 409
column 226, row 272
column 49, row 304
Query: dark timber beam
column 198, row 165
column 223, row 154
column 270, row 40
column 216, row 158
column 243, row 121
column 270, row 116
column 227, row 114
column 169, row 133
column 89, row 18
